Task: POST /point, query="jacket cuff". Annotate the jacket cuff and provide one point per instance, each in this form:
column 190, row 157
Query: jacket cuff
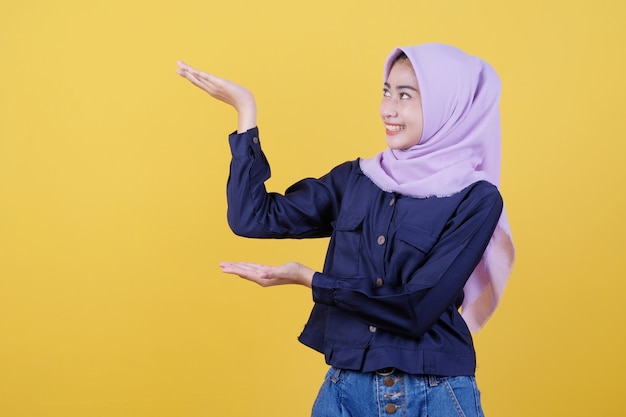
column 240, row 143
column 323, row 289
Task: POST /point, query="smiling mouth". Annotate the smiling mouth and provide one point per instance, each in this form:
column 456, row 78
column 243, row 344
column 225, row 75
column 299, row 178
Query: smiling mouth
column 394, row 128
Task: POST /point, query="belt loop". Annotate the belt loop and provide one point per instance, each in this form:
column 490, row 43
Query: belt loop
column 335, row 374
column 432, row 380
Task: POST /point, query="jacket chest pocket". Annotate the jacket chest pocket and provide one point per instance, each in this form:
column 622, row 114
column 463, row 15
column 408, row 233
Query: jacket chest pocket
column 346, row 244
column 412, row 248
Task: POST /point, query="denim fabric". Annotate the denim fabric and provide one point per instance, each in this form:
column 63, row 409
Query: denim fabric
column 370, row 394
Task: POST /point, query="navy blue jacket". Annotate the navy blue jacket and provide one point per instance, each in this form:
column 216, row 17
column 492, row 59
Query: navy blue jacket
column 393, row 278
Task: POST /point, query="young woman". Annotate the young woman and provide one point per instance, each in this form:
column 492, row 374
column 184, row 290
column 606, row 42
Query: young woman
column 419, row 248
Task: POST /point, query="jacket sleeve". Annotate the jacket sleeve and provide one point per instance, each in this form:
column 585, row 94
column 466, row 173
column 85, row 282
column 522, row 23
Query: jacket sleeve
column 305, row 210
column 412, row 308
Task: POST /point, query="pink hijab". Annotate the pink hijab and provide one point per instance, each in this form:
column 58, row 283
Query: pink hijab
column 460, row 145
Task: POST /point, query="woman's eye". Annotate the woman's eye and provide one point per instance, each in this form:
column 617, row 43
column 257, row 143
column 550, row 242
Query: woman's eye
column 404, row 96
column 386, row 93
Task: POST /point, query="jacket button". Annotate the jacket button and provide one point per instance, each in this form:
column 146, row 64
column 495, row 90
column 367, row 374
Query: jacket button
column 255, row 139
column 379, row 282
column 391, row 408
column 373, row 329
column 392, row 201
column 381, row 240
column 388, row 381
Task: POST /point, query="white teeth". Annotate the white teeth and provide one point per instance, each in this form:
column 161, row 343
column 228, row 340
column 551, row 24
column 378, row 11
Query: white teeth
column 394, row 128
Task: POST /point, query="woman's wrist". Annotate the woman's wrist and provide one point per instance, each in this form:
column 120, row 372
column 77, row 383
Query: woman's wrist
column 246, row 115
column 306, row 275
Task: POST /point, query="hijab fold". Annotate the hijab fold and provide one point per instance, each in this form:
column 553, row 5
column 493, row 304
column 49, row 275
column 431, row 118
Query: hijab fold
column 460, row 145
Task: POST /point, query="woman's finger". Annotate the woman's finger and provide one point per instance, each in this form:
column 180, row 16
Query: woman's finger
column 244, row 265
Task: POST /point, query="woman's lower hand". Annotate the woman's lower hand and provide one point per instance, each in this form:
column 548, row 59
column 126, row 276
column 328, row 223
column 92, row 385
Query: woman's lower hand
column 268, row 276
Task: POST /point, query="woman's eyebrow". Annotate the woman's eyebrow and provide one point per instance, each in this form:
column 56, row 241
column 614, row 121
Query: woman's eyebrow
column 407, row 87
column 402, row 87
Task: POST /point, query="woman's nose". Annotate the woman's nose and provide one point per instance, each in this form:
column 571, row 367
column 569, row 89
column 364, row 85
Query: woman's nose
column 388, row 108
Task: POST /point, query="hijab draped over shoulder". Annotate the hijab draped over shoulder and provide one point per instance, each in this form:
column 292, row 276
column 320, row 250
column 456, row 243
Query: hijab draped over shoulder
column 460, row 145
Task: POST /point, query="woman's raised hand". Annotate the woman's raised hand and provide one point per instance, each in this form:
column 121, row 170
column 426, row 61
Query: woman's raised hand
column 267, row 276
column 224, row 90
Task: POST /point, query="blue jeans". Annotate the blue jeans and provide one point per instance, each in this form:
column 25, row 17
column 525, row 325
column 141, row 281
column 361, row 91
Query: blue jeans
column 394, row 393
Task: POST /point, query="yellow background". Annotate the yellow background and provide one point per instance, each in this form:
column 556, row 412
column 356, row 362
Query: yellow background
column 112, row 202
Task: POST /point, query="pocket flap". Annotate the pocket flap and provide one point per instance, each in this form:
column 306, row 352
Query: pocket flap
column 348, row 221
column 417, row 237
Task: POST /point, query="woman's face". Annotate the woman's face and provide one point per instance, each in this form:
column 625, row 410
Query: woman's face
column 401, row 107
